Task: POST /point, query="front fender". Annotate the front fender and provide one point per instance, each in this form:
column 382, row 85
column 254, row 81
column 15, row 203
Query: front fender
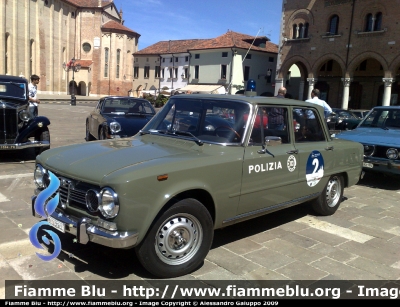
column 38, row 123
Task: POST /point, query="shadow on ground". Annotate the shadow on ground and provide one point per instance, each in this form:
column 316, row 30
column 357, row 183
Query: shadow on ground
column 380, row 181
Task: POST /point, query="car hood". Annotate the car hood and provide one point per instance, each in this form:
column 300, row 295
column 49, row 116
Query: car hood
column 92, row 161
column 373, row 136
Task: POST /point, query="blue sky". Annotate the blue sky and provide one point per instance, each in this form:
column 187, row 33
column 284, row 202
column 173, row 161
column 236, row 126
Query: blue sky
column 161, row 20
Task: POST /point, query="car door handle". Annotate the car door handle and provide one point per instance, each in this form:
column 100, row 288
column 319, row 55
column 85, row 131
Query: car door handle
column 292, row 152
column 329, row 148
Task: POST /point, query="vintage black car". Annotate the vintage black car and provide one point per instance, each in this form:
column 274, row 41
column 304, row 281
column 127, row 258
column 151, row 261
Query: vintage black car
column 118, row 117
column 19, row 128
column 346, row 119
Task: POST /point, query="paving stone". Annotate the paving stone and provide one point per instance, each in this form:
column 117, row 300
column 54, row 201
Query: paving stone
column 231, row 262
column 373, row 222
column 269, row 258
column 207, row 267
column 300, row 271
column 264, row 274
column 299, row 240
column 7, row 273
column 13, row 205
column 16, row 249
column 11, row 234
column 341, row 255
column 386, row 272
column 322, row 236
column 32, row 267
column 373, row 232
column 343, row 271
column 243, row 246
column 268, row 235
column 219, row 274
column 369, row 252
column 293, row 227
column 23, row 218
column 292, row 250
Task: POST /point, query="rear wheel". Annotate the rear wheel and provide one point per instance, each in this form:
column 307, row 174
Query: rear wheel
column 331, row 197
column 178, row 241
column 43, row 135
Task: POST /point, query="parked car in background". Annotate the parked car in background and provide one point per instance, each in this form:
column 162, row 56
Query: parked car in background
column 345, row 119
column 379, row 132
column 202, row 163
column 118, row 117
column 19, row 128
column 361, row 113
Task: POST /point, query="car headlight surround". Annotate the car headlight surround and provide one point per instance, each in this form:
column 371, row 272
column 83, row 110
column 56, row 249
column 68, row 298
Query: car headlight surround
column 115, row 127
column 109, row 204
column 369, row 150
column 41, row 177
column 25, row 115
column 93, row 200
column 392, row 153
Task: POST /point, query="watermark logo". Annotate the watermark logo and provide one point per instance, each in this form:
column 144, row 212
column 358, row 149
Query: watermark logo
column 45, row 208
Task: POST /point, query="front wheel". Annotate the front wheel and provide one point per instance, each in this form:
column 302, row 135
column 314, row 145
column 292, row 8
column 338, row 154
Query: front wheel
column 331, row 197
column 179, row 240
column 103, row 133
column 43, row 135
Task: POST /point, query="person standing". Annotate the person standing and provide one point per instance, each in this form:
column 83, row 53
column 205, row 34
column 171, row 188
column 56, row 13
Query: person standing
column 276, row 119
column 32, row 95
column 315, row 93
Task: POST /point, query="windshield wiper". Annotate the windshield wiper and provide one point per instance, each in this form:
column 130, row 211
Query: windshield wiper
column 179, row 132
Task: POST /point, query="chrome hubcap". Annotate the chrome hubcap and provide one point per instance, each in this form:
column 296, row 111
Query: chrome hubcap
column 178, row 239
column 333, row 190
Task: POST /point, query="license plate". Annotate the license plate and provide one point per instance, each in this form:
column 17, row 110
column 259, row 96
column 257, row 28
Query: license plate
column 56, row 224
column 369, row 165
column 8, row 147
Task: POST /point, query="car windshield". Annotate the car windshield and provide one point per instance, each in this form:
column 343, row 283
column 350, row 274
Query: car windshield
column 383, row 118
column 345, row 114
column 127, row 106
column 13, row 90
column 205, row 120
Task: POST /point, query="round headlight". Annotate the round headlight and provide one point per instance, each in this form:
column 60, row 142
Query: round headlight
column 41, row 177
column 24, row 115
column 392, row 153
column 369, row 150
column 92, row 200
column 115, row 127
column 109, row 205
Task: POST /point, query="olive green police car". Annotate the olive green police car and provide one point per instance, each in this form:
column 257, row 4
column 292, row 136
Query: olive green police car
column 202, row 163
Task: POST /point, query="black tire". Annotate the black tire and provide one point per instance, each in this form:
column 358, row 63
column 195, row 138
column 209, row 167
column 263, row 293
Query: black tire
column 103, row 133
column 331, row 197
column 88, row 137
column 178, row 241
column 43, row 135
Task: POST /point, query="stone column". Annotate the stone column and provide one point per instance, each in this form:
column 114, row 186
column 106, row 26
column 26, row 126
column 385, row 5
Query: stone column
column 301, row 90
column 388, row 91
column 346, row 91
column 311, row 83
column 278, row 85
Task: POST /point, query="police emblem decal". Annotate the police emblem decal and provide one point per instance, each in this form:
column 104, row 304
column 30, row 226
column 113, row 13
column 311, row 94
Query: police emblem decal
column 291, row 163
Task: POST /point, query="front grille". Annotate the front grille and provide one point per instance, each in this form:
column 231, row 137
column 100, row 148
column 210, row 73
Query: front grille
column 8, row 125
column 380, row 152
column 73, row 193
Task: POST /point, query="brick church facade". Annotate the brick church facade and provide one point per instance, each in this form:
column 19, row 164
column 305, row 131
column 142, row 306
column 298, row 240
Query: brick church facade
column 39, row 36
column 346, row 48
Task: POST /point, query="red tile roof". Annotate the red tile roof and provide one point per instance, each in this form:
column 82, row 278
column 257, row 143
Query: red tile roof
column 84, row 63
column 116, row 26
column 173, row 46
column 89, row 3
column 228, row 40
column 238, row 40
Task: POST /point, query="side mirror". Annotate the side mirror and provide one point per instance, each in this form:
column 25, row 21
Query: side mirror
column 273, row 140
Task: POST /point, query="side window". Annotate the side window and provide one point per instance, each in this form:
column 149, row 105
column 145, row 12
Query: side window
column 270, row 123
column 307, row 126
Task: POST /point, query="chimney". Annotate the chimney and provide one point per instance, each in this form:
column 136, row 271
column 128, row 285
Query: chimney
column 121, row 13
column 99, row 3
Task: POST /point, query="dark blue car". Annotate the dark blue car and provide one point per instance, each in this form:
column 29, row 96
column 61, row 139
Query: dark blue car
column 118, row 117
column 379, row 132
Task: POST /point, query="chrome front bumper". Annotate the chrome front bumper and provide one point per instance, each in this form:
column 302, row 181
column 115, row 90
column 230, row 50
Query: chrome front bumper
column 384, row 165
column 24, row 145
column 85, row 231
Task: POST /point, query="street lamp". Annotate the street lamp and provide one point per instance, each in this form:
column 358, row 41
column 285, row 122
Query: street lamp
column 75, row 68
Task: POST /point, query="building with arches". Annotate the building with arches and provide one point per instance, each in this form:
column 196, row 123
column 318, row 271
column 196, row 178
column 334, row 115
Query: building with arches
column 346, row 49
column 38, row 36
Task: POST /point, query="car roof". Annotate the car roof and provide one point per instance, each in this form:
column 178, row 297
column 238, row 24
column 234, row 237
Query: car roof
column 254, row 100
column 12, row 78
